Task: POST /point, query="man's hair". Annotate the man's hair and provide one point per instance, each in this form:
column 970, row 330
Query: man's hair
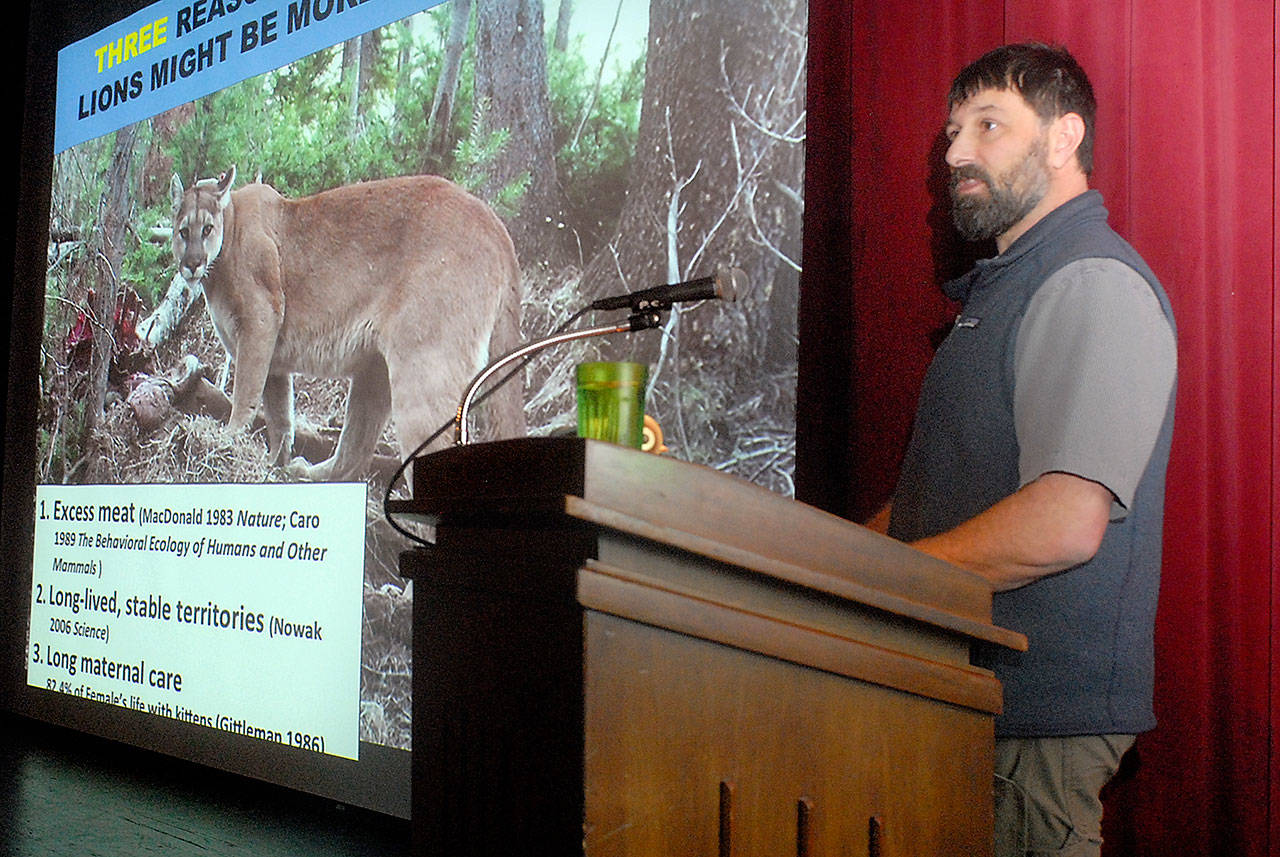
column 1046, row 76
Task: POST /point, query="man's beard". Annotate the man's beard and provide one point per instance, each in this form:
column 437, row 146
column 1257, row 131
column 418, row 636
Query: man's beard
column 1009, row 198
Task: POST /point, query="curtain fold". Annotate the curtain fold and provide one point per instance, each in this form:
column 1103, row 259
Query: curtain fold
column 1202, row 210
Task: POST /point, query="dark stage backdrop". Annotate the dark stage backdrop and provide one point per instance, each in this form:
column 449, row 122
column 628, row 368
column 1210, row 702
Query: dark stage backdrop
column 1186, row 161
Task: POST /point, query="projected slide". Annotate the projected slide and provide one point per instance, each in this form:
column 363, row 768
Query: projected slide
column 229, row 607
column 285, row 235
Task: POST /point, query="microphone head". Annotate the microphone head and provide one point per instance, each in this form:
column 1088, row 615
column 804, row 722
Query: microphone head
column 730, row 282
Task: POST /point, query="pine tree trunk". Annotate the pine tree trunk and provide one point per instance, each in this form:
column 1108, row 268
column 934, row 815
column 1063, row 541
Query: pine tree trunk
column 108, row 255
column 370, row 44
column 351, row 79
column 564, row 16
column 511, row 93
column 441, row 117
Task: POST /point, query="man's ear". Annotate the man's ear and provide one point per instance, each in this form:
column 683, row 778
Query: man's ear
column 1065, row 136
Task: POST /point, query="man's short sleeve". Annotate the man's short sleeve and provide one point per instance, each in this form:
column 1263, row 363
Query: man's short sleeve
column 1095, row 363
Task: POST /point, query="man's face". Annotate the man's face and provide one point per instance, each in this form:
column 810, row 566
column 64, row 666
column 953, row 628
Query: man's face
column 998, row 160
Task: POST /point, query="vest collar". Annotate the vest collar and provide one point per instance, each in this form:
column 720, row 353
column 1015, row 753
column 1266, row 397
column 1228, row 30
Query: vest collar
column 1079, row 209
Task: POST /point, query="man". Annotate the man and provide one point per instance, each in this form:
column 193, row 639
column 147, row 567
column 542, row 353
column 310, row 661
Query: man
column 1038, row 455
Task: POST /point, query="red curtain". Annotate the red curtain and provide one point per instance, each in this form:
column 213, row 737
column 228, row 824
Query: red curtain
column 1185, row 159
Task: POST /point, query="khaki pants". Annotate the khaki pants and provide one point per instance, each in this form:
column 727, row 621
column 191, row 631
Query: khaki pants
column 1046, row 793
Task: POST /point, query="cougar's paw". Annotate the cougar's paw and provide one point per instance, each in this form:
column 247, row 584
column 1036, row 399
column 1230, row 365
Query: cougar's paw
column 304, row 471
column 283, row 457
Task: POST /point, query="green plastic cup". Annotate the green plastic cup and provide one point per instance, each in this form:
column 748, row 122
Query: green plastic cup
column 611, row 402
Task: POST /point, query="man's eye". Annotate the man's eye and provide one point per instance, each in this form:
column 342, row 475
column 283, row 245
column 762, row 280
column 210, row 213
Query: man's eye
column 988, row 125
column 207, row 229
column 182, row 233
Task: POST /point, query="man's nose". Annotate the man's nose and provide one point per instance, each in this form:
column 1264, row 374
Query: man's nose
column 959, row 151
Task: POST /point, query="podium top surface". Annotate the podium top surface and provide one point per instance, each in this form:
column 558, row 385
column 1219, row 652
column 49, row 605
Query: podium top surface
column 698, row 509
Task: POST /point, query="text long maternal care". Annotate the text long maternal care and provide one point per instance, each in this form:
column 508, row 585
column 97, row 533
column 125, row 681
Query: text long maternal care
column 204, row 603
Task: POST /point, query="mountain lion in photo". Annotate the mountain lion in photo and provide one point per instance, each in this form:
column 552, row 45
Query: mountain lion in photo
column 404, row 285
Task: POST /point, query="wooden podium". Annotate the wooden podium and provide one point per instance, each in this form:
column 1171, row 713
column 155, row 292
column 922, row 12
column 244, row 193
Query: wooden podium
column 618, row 653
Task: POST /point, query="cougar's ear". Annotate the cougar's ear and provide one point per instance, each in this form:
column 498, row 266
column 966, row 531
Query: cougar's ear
column 175, row 192
column 225, row 181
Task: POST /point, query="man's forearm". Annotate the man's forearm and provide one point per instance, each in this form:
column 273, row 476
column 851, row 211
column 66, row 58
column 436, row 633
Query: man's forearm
column 1049, row 525
column 879, row 522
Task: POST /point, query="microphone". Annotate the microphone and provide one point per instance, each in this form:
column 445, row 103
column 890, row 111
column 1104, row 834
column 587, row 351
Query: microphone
column 723, row 285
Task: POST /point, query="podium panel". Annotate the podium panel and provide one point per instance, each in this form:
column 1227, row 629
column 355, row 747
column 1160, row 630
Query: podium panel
column 700, row 748
column 620, row 654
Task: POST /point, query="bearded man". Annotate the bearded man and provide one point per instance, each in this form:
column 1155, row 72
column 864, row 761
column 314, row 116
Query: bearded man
column 1038, row 454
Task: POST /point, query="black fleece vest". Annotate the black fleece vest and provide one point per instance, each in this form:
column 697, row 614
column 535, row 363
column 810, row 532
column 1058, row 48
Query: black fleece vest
column 1089, row 668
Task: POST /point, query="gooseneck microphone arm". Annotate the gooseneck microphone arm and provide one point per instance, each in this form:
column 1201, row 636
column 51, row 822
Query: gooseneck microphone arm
column 646, row 306
column 461, row 430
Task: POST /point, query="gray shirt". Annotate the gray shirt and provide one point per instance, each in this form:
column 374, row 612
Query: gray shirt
column 1095, row 362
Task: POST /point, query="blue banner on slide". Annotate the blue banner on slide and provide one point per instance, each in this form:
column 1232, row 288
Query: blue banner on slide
column 176, row 51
